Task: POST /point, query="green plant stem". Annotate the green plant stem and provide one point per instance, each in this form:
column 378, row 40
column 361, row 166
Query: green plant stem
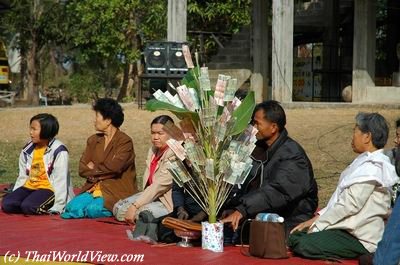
column 212, row 203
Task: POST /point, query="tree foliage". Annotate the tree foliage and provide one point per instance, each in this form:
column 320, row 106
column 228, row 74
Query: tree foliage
column 103, row 38
column 105, row 35
column 223, row 16
column 34, row 24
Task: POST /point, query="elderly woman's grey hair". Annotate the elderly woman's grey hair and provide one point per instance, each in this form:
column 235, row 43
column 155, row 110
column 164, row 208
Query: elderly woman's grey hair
column 375, row 124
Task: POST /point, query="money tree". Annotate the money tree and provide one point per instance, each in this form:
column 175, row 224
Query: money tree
column 214, row 140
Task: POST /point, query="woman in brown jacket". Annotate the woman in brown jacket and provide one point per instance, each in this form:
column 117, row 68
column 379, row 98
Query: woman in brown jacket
column 108, row 164
column 157, row 180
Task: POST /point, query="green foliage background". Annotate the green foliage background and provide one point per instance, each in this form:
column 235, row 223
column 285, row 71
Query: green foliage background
column 101, row 37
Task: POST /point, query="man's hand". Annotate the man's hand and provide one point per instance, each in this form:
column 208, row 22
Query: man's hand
column 226, row 213
column 182, row 214
column 130, row 215
column 234, row 219
column 305, row 225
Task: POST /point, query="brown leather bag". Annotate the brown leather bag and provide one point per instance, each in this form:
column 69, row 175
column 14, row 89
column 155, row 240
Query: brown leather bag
column 267, row 240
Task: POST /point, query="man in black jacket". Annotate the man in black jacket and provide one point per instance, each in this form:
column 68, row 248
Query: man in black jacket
column 281, row 180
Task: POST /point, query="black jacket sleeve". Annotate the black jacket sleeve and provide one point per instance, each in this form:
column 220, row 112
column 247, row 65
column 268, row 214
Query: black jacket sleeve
column 397, row 161
column 289, row 180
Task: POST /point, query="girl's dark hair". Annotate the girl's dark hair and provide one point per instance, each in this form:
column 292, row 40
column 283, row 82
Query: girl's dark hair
column 162, row 119
column 110, row 109
column 398, row 123
column 48, row 125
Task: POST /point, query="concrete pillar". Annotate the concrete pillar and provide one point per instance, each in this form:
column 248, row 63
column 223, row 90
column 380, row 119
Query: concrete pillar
column 363, row 48
column 177, row 20
column 331, row 89
column 260, row 48
column 282, row 50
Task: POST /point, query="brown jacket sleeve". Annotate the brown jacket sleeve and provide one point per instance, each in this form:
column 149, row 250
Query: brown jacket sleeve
column 115, row 161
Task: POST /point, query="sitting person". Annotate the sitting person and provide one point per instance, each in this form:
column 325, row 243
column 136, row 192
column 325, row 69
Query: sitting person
column 157, row 180
column 388, row 250
column 352, row 223
column 394, row 155
column 108, row 164
column 185, row 208
column 43, row 185
column 281, row 180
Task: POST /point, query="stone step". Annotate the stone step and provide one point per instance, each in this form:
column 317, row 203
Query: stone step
column 241, row 37
column 244, row 32
column 231, row 58
column 235, row 65
column 238, row 44
column 235, row 54
column 233, row 50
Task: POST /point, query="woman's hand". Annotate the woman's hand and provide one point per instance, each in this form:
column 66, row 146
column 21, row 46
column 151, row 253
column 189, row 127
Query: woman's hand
column 130, row 215
column 305, row 225
column 91, row 179
column 182, row 214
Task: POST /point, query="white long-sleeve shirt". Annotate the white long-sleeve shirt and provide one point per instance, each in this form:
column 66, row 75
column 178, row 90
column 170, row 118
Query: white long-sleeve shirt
column 361, row 199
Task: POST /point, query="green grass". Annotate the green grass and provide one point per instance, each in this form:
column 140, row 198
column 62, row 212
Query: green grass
column 9, row 153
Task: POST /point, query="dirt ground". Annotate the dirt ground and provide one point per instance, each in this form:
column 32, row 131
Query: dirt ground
column 325, row 134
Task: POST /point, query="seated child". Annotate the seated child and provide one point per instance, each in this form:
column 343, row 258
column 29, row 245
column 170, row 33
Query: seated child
column 43, row 184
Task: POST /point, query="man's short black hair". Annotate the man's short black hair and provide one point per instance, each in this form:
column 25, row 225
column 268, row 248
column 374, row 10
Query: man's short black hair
column 398, row 123
column 110, row 109
column 273, row 112
column 48, row 125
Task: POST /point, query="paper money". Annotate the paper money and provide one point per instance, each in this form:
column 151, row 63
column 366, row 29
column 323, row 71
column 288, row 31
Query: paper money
column 160, row 96
column 210, row 168
column 174, row 131
column 195, row 97
column 208, row 115
column 220, row 89
column 188, row 56
column 185, row 97
column 230, row 91
column 178, row 171
column 187, row 128
column 177, row 148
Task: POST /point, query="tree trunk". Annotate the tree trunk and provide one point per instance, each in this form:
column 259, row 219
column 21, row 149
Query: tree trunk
column 58, row 70
column 32, row 75
column 123, row 91
column 23, row 81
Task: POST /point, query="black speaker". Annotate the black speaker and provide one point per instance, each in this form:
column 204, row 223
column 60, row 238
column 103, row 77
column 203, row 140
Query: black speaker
column 156, row 58
column 176, row 63
column 164, row 59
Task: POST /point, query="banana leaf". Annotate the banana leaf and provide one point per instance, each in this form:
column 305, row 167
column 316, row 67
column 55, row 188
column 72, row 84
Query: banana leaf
column 243, row 114
column 190, row 80
column 153, row 105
